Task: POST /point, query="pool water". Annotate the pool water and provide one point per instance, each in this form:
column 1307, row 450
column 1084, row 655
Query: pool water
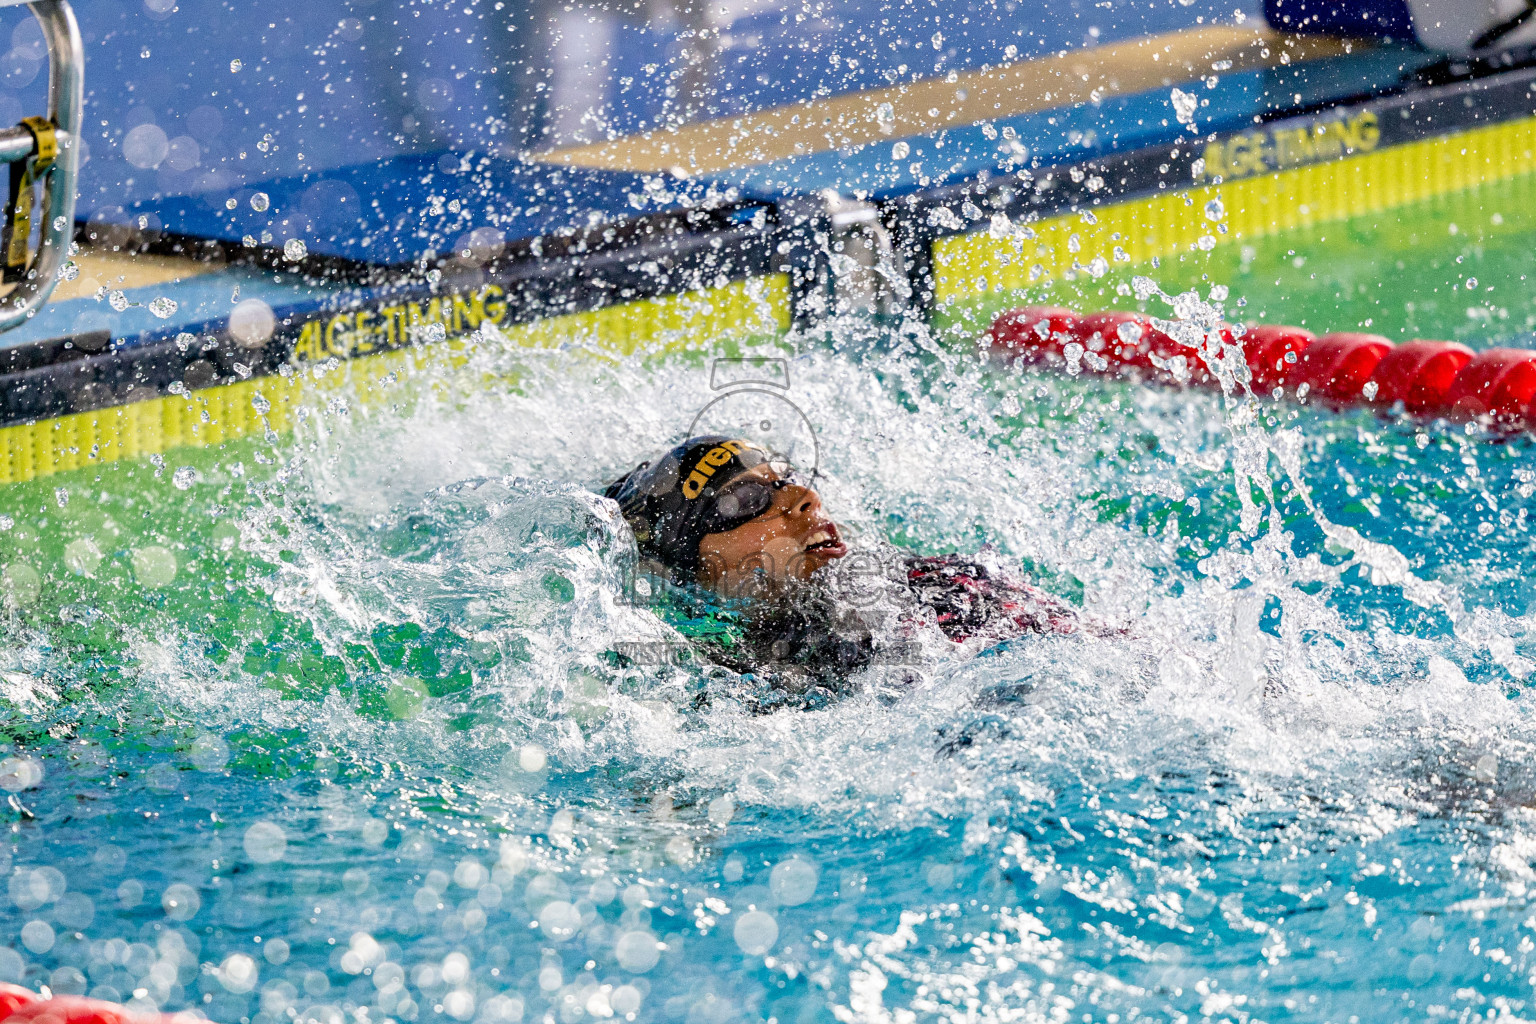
column 329, row 727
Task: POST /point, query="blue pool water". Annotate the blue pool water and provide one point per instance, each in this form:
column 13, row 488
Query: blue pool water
column 328, row 735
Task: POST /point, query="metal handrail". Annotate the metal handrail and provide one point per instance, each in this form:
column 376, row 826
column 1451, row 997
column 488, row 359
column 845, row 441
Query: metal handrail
column 66, row 92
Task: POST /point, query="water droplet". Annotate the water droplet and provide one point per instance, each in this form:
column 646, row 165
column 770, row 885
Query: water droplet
column 184, row 478
column 251, row 323
column 260, row 404
column 180, row 902
column 625, row 1001
column 117, row 300
column 559, row 920
column 793, row 881
column 19, row 773
column 1471, row 283
column 1214, row 210
column 82, row 556
column 637, row 951
column 260, row 201
column 721, row 810
column 237, row 973
column 21, row 584
column 756, row 931
column 1369, row 391
column 144, row 53
column 37, row 936
column 532, row 758
column 1206, row 242
column 294, row 250
column 1184, row 105
column 900, row 151
column 153, row 566
column 163, row 307
column 235, row 65
column 69, row 271
column 265, row 843
column 209, row 753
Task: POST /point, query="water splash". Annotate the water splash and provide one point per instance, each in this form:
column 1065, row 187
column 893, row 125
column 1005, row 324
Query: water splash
column 378, row 677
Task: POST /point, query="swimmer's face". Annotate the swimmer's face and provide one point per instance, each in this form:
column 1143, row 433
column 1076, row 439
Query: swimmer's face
column 788, row 542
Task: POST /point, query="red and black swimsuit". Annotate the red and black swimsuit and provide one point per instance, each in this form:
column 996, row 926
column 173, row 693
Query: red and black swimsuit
column 969, row 600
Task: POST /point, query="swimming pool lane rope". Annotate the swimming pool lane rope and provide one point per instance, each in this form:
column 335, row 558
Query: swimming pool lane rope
column 20, row 1005
column 1423, row 379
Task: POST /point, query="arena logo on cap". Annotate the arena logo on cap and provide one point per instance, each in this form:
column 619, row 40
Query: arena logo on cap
column 706, row 466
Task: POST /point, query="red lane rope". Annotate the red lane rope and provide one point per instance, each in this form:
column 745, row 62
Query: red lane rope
column 23, row 1006
column 13, row 998
column 1428, row 378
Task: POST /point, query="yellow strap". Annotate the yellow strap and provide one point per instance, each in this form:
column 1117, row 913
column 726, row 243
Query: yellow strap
column 18, row 228
column 47, row 138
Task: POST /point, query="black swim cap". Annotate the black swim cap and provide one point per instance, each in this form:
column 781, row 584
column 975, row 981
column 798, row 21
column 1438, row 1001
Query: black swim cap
column 671, row 504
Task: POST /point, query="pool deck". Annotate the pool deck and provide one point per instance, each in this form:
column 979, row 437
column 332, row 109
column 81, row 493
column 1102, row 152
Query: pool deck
column 1063, row 106
column 922, row 108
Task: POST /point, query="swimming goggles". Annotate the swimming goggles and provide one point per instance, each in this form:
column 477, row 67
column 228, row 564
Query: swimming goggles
column 746, row 498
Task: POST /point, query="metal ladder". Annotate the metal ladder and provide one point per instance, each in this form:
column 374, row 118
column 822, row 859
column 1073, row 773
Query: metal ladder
column 46, row 150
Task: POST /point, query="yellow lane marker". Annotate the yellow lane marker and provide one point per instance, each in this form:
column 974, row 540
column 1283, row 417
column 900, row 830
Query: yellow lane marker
column 1173, row 222
column 210, row 416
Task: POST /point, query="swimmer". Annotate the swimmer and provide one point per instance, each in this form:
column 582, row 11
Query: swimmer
column 726, row 517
